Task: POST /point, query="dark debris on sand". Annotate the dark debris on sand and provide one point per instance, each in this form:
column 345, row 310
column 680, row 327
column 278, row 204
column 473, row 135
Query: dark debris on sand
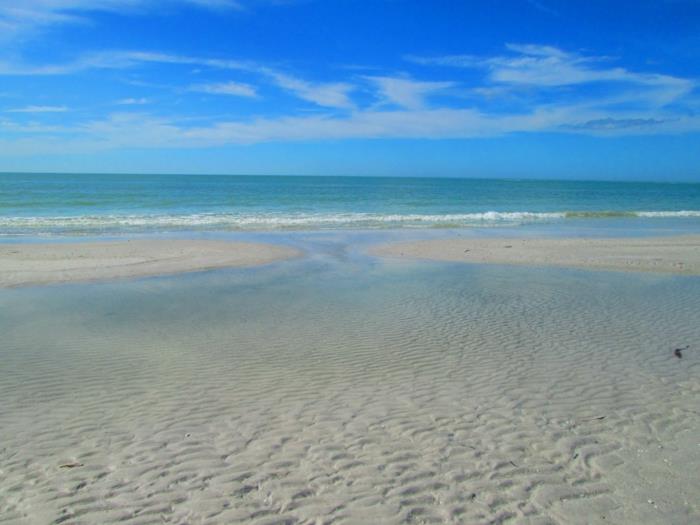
column 678, row 352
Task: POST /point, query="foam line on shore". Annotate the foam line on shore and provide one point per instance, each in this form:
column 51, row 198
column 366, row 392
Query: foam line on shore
column 14, row 225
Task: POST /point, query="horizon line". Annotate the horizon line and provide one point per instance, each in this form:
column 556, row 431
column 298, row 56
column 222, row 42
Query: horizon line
column 365, row 176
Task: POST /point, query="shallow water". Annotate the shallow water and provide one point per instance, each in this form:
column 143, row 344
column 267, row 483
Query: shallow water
column 342, row 388
column 89, row 204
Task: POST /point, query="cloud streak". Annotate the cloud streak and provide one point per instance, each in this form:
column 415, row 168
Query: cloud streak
column 132, row 101
column 546, row 67
column 235, row 89
column 141, row 130
column 25, row 17
column 39, row 109
column 610, row 124
column 547, row 85
column 331, row 95
column 406, row 92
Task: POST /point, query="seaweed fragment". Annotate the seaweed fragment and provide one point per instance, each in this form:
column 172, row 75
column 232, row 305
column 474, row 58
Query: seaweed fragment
column 70, row 465
column 678, row 352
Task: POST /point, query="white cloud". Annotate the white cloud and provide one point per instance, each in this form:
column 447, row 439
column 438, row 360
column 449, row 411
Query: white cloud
column 534, row 75
column 129, row 58
column 132, row 130
column 331, row 95
column 119, row 60
column 406, row 92
column 608, row 124
column 26, row 16
column 226, row 88
column 132, row 101
column 540, row 6
column 537, row 66
column 39, row 109
column 334, row 95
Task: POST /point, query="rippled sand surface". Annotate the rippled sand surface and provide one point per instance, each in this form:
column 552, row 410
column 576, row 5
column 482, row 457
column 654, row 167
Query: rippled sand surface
column 350, row 390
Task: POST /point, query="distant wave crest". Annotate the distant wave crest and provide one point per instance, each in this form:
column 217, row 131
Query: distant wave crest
column 303, row 221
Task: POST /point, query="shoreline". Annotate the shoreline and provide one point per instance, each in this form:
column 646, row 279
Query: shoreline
column 23, row 264
column 54, row 263
column 670, row 255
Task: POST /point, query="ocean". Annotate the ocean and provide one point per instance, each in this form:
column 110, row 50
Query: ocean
column 95, row 204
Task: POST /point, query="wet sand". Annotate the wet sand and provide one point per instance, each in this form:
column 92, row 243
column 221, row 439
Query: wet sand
column 339, row 390
column 26, row 264
column 677, row 255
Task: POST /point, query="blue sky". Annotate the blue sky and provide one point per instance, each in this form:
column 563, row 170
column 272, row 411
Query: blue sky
column 538, row 88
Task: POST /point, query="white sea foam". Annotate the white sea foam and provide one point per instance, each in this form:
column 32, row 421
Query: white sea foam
column 279, row 221
column 663, row 214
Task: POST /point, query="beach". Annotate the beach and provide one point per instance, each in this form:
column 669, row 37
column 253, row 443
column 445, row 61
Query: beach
column 213, row 350
column 24, row 264
column 346, row 388
column 47, row 263
column 673, row 254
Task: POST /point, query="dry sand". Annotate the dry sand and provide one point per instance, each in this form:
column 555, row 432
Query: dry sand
column 24, row 264
column 679, row 254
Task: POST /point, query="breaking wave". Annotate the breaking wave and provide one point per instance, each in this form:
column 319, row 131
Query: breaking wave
column 302, row 221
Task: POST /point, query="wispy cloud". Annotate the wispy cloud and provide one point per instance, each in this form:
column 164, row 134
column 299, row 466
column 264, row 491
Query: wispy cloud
column 406, row 92
column 226, row 88
column 331, row 95
column 541, row 6
column 39, row 109
column 142, row 130
column 611, row 124
column 555, row 98
column 19, row 18
column 539, row 66
column 122, row 59
column 132, row 101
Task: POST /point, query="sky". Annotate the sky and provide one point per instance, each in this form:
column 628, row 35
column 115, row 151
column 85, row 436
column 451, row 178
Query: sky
column 495, row 88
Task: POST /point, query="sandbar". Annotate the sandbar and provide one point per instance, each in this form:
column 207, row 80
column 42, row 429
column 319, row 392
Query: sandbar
column 674, row 254
column 46, row 263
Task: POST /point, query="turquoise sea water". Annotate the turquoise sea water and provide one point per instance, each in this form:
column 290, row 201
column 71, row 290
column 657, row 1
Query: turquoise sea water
column 106, row 204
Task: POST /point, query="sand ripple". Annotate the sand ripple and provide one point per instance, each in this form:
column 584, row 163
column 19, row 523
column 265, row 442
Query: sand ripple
column 415, row 396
